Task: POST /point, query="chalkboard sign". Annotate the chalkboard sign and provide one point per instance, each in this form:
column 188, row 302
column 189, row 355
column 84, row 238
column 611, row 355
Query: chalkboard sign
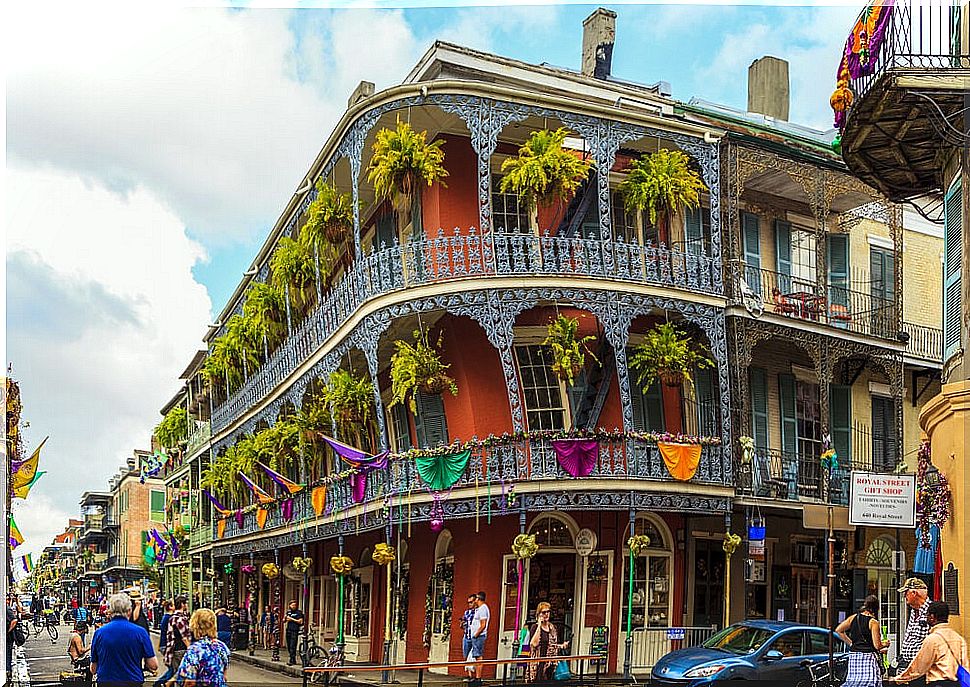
column 600, row 644
column 951, row 589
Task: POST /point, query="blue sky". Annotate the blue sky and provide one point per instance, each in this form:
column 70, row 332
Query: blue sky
column 151, row 148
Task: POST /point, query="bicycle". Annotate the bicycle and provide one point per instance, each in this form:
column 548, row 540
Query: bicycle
column 333, row 658
column 310, row 651
column 819, row 676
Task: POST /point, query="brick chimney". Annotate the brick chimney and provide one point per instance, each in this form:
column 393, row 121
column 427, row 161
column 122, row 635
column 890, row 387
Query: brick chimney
column 768, row 91
column 599, row 32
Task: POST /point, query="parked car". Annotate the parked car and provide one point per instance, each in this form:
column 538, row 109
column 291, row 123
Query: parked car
column 750, row 650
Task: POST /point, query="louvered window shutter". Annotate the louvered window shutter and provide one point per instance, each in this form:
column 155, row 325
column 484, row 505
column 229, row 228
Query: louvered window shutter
column 952, row 269
column 757, row 379
column 838, row 268
column 840, row 409
column 751, row 237
column 706, row 408
column 789, row 423
column 883, row 433
column 694, row 231
column 783, row 254
column 431, row 426
column 385, row 231
column 653, row 406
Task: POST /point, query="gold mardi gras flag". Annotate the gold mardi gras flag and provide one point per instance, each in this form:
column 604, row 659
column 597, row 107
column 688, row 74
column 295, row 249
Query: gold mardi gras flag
column 22, row 492
column 23, row 472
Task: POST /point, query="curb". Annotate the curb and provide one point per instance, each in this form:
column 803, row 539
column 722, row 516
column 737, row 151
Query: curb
column 267, row 663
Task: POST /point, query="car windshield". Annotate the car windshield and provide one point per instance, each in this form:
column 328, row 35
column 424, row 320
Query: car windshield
column 739, row 639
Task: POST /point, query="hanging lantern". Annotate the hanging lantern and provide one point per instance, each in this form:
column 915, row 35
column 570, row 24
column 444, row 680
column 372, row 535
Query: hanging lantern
column 383, row 554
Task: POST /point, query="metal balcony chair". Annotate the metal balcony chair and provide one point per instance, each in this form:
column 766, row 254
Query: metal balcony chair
column 764, row 483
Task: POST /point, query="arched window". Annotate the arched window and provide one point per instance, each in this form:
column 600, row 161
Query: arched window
column 880, row 554
column 652, row 575
column 553, row 530
column 441, row 585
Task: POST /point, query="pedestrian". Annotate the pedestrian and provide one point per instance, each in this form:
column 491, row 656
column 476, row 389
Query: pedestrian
column 138, row 616
column 80, row 660
column 544, row 644
column 466, row 639
column 480, row 623
column 943, row 652
column 917, row 596
column 224, row 626
column 120, row 650
column 862, row 633
column 163, row 626
column 265, row 631
column 178, row 636
column 294, row 622
column 13, row 617
column 206, row 660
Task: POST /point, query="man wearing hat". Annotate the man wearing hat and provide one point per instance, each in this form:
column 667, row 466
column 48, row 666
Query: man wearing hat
column 138, row 616
column 917, row 597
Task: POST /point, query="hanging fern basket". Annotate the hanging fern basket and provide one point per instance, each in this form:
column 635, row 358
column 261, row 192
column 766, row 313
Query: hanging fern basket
column 671, row 377
column 336, row 232
column 436, row 384
column 566, row 371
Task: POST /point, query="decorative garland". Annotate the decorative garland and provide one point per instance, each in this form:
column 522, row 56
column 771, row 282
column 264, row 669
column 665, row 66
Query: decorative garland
column 638, row 543
column 341, row 565
column 747, row 449
column 383, row 554
column 271, row 571
column 445, row 574
column 731, row 543
column 248, row 569
column 524, row 546
column 302, row 565
column 932, row 503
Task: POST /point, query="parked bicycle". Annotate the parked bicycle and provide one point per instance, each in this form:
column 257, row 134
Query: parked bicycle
column 310, row 651
column 333, row 658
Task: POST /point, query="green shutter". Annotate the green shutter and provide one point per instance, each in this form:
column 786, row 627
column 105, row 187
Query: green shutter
column 706, row 406
column 758, row 380
column 751, row 238
column 789, row 425
column 783, row 254
column 636, row 400
column 431, row 426
column 952, row 269
column 840, row 411
column 694, row 231
column 386, row 231
column 838, row 269
column 883, row 434
column 653, row 404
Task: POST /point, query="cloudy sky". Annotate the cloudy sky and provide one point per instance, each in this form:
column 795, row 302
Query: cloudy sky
column 149, row 150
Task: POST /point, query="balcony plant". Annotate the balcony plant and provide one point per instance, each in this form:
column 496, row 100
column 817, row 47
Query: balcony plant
column 330, row 216
column 418, row 367
column 568, row 352
column 544, row 172
column 668, row 355
column 350, row 400
column 663, row 184
column 293, row 271
column 233, row 355
column 173, row 429
column 402, row 162
column 265, row 309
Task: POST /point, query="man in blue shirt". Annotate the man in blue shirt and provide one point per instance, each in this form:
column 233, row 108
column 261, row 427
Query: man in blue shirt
column 120, row 649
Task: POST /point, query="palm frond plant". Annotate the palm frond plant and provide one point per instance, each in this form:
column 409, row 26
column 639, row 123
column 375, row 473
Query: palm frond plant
column 265, row 308
column 173, row 429
column 293, row 272
column 663, row 184
column 668, row 355
column 350, row 400
column 330, row 216
column 418, row 367
column 568, row 352
column 403, row 162
column 544, row 171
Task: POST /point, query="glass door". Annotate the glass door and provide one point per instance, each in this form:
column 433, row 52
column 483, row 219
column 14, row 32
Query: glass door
column 708, row 608
column 597, row 598
column 805, row 582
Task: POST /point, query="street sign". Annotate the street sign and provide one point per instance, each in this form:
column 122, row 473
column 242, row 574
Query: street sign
column 884, row 500
column 675, row 633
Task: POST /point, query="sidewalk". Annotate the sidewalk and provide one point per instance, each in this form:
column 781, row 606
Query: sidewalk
column 20, row 673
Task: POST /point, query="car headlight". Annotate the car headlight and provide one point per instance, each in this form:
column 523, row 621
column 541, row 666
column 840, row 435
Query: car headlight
column 704, row 671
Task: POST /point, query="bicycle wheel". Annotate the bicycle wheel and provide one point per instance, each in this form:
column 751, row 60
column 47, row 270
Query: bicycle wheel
column 52, row 631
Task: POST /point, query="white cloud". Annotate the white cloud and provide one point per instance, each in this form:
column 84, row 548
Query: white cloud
column 38, row 519
column 103, row 315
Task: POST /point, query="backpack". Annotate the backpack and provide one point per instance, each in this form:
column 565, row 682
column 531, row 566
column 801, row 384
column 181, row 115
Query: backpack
column 20, row 634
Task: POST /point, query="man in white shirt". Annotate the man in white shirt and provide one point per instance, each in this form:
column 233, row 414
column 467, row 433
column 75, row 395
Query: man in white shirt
column 480, row 623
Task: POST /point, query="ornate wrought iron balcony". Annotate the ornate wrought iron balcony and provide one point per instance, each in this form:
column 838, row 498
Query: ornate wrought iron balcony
column 925, row 343
column 460, row 256
column 198, row 438
column 492, row 474
column 908, row 64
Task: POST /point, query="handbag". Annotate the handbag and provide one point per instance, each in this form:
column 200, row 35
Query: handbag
column 562, row 671
column 963, row 675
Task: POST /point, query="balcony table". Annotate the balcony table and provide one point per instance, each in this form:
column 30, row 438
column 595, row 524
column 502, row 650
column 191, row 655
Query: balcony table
column 808, row 305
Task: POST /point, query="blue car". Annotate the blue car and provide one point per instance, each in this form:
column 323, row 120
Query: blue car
column 751, row 650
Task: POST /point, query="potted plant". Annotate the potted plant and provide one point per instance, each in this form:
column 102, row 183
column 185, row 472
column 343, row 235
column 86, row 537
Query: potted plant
column 568, row 352
column 350, row 400
column 293, row 271
column 544, row 171
column 667, row 355
column 173, row 429
column 663, row 184
column 418, row 367
column 403, row 160
column 330, row 216
column 265, row 308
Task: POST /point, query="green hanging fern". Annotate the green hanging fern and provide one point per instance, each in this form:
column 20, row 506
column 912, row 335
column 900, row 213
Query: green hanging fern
column 330, row 217
column 568, row 352
column 265, row 309
column 418, row 367
column 666, row 354
column 544, row 171
column 402, row 161
column 661, row 183
column 173, row 429
column 350, row 400
column 293, row 270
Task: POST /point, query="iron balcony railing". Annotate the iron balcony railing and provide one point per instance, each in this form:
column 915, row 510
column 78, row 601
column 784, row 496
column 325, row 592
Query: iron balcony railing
column 461, row 256
column 839, row 306
column 785, row 476
column 492, row 471
column 198, row 438
column 920, row 34
column 924, row 342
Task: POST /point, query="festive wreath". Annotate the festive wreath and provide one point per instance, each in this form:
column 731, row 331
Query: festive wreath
column 341, row 565
column 271, row 571
column 383, row 554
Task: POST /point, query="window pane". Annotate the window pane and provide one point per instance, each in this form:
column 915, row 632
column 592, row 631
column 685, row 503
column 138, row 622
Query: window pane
column 541, row 390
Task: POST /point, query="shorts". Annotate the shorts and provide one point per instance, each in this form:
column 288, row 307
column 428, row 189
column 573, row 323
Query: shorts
column 466, row 646
column 478, row 646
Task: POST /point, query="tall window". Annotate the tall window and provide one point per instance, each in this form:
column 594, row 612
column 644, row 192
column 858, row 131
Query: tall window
column 157, row 506
column 651, row 578
column 952, row 269
column 400, row 436
column 624, row 223
column 509, row 213
column 803, row 261
column 809, row 419
column 541, row 388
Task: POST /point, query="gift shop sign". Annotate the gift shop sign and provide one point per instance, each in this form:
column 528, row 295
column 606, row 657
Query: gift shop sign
column 888, row 500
